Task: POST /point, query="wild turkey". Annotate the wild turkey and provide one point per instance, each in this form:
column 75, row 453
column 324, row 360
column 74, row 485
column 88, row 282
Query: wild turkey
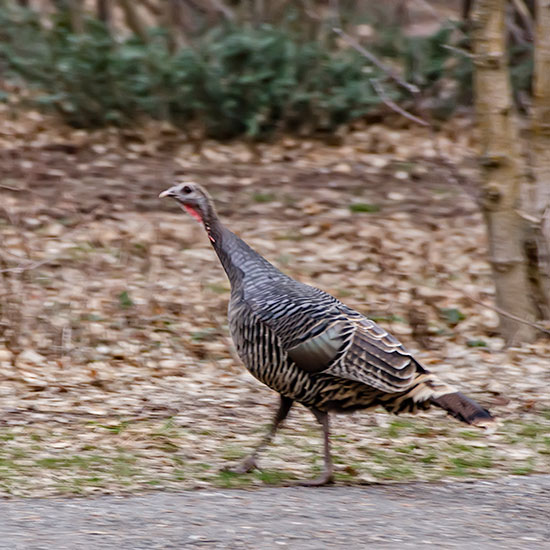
column 310, row 347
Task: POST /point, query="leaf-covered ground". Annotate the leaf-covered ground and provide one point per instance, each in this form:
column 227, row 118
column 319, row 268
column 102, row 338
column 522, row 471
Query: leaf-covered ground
column 116, row 370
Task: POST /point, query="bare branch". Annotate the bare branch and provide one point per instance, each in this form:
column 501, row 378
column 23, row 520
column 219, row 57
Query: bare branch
column 220, row 6
column 433, row 11
column 214, row 6
column 10, row 188
column 499, row 310
column 28, row 267
column 525, row 15
column 153, row 7
column 375, row 61
column 393, row 106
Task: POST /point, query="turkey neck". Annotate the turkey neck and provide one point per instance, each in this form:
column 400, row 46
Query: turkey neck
column 236, row 257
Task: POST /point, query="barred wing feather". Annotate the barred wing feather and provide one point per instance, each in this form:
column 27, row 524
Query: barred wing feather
column 320, row 334
column 360, row 351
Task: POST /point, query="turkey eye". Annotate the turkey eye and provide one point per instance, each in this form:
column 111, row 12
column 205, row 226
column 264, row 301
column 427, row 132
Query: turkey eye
column 186, row 190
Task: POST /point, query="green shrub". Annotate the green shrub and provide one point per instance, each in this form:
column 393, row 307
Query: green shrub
column 233, row 80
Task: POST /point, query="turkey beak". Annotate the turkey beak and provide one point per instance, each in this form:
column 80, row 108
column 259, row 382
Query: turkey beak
column 171, row 192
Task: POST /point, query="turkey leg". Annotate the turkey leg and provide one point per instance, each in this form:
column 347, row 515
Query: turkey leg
column 327, row 475
column 249, row 463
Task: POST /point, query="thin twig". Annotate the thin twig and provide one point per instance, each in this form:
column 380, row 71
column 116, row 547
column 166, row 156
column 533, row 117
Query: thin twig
column 428, row 7
column 222, row 8
column 393, row 106
column 33, row 265
column 459, row 51
column 499, row 310
column 375, row 61
column 516, row 31
column 525, row 15
column 10, row 188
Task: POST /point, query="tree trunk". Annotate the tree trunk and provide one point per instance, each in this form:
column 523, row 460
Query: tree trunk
column 133, row 20
column 502, row 170
column 174, row 24
column 539, row 207
column 104, row 12
column 74, row 10
column 77, row 19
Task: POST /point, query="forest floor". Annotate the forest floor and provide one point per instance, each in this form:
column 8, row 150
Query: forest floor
column 116, row 370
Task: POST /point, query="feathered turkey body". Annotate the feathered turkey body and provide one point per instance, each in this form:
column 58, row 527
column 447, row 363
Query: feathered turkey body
column 310, row 347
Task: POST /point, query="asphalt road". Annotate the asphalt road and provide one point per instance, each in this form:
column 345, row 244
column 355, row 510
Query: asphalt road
column 509, row 513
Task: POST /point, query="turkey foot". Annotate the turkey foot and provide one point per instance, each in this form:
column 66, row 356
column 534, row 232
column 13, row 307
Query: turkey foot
column 326, row 478
column 246, row 466
column 249, row 463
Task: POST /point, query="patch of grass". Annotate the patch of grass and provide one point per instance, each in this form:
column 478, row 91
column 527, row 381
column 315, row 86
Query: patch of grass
column 476, row 461
column 452, row 315
column 284, row 259
column 290, row 235
column 387, row 318
column 218, row 288
column 263, row 197
column 92, row 317
column 8, row 464
column 407, row 449
column 124, row 300
column 343, row 292
column 203, row 334
column 406, row 166
column 92, row 480
column 429, row 458
column 396, row 471
column 228, row 479
column 179, row 474
column 178, row 459
column 357, row 207
column 523, row 470
column 232, row 453
column 533, row 430
column 77, row 461
column 476, row 344
column 123, row 466
column 271, row 477
column 422, row 431
column 396, row 426
column 114, row 428
column 467, row 434
column 460, row 447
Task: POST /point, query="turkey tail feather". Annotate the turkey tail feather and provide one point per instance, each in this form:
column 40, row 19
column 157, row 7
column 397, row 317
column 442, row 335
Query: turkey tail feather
column 463, row 408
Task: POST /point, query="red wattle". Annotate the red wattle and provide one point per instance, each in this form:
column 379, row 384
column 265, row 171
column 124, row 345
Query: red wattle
column 193, row 212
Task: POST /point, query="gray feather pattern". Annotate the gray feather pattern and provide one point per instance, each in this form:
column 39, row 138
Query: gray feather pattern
column 309, row 346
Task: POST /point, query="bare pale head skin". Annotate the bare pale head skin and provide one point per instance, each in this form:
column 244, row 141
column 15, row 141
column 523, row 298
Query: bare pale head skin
column 193, row 198
column 186, row 192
